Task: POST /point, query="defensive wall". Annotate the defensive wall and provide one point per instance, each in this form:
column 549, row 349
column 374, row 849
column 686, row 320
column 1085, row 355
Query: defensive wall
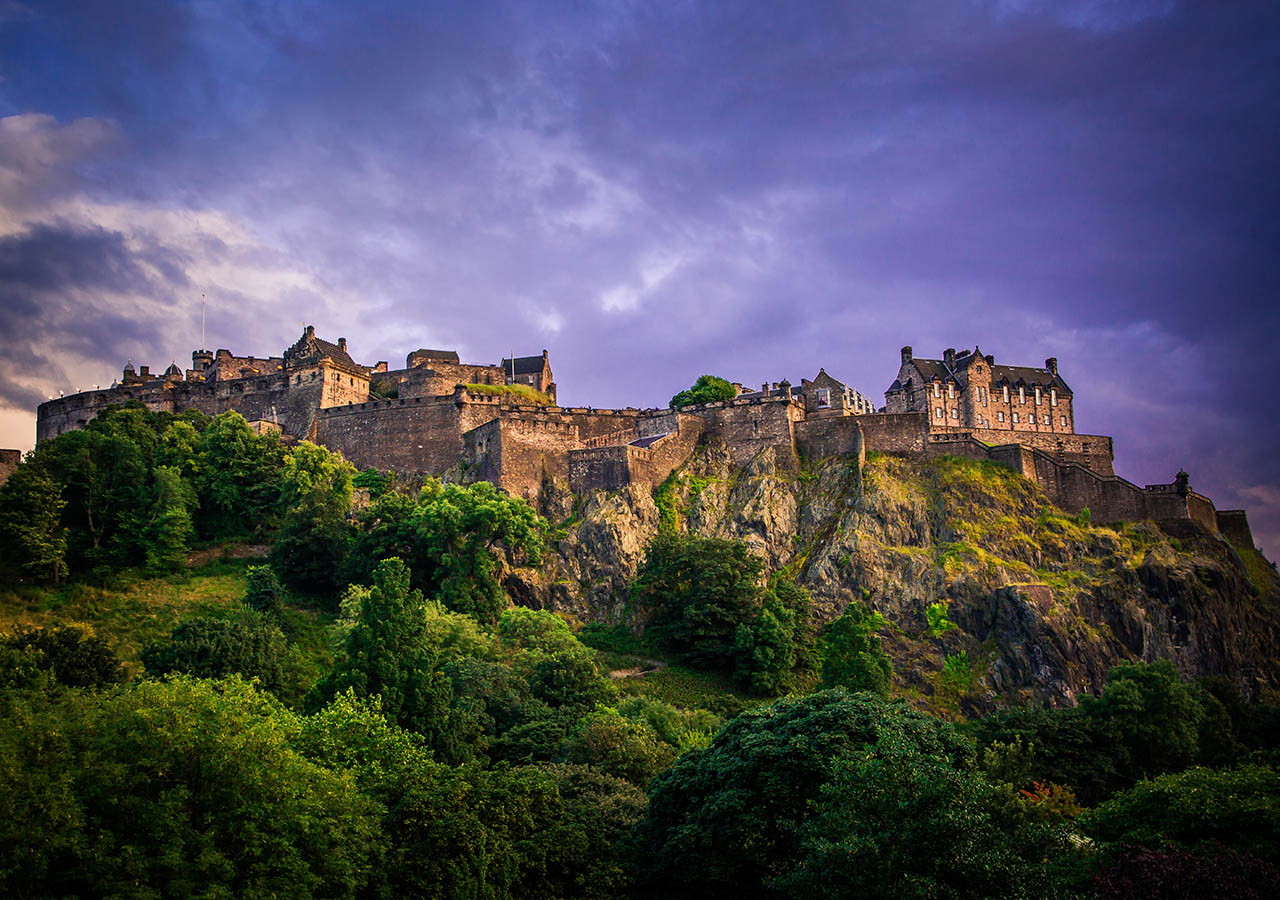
column 1108, row 497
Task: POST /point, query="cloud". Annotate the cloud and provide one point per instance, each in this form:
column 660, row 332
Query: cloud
column 668, row 189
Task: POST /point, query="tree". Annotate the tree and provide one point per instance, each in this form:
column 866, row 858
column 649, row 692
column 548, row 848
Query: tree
column 250, row 646
column 700, row 591
column 169, row 528
column 263, row 592
column 32, row 536
column 179, row 788
column 237, row 477
column 853, row 657
column 315, row 535
column 1153, row 713
column 77, row 658
column 899, row 823
column 726, row 818
column 454, row 538
column 1198, row 810
column 707, row 389
column 624, row 748
column 388, row 653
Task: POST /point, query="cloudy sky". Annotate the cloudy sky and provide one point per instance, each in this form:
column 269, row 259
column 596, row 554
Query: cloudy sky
column 652, row 191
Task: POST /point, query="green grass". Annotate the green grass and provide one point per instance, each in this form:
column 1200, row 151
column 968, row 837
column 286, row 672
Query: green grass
column 1261, row 573
column 522, row 391
column 689, row 689
column 133, row 610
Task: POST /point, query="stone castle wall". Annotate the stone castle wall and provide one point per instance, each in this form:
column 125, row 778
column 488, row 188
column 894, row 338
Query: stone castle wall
column 9, row 460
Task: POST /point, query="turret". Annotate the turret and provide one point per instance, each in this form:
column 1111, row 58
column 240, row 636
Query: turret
column 201, row 360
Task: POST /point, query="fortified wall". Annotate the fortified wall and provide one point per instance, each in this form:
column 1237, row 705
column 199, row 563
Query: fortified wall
column 499, row 422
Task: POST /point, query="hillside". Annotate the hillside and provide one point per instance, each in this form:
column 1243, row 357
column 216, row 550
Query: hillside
column 1043, row 603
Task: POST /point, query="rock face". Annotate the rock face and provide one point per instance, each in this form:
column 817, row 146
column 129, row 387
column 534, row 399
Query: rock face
column 1029, row 603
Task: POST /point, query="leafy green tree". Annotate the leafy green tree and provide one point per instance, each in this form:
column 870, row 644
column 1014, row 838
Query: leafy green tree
column 249, row 645
column 1153, row 713
column 169, row 529
column 571, row 680
column 33, row 539
column 237, row 477
column 853, row 657
column 182, row 788
column 1197, row 809
column 179, row 448
column 766, row 647
column 76, row 658
column 263, row 591
column 701, row 590
column 624, row 748
column 728, row 817
column 454, row 538
column 315, row 535
column 707, row 389
column 898, row 822
column 389, row 653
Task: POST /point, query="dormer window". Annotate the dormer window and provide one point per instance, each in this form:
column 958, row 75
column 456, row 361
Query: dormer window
column 951, row 390
column 1005, row 390
column 1022, row 394
column 1037, row 395
column 1053, row 396
column 937, row 389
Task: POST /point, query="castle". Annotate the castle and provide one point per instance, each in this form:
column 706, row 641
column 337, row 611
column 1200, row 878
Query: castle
column 501, row 423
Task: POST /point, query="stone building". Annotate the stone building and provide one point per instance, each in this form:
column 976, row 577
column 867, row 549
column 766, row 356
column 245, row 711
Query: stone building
column 970, row 390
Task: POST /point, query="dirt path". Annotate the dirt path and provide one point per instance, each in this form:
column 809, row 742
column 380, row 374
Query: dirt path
column 649, row 666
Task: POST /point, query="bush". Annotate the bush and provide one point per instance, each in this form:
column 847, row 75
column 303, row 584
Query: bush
column 250, row 646
column 74, row 656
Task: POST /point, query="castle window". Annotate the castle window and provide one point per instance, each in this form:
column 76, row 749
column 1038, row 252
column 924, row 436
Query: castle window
column 1000, row 416
column 1005, row 388
column 951, row 390
column 937, row 412
column 955, row 413
column 1037, row 396
column 1053, row 396
column 824, row 398
column 937, row 389
column 1064, row 421
column 1022, row 394
column 1015, row 418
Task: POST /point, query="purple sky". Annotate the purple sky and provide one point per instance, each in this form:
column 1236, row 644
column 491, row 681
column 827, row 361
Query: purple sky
column 652, row 191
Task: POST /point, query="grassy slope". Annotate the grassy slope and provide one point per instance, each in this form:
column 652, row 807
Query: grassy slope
column 135, row 610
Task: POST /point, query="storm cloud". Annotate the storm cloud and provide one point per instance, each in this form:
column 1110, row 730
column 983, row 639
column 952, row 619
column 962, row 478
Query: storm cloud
column 652, row 191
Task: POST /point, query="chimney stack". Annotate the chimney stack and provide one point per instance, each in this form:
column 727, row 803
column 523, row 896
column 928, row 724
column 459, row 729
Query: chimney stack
column 906, row 355
column 991, row 359
column 342, row 344
column 1052, row 364
column 949, row 357
column 311, row 331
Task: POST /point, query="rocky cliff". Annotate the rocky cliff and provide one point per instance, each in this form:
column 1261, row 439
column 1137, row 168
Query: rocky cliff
column 1028, row 602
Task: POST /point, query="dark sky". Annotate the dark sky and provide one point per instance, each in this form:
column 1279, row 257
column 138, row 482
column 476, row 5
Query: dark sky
column 652, row 191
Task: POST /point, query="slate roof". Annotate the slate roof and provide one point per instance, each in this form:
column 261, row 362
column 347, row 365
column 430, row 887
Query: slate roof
column 525, row 365
column 336, row 353
column 930, row 369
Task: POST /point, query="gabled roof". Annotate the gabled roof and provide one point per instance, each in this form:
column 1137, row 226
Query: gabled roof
column 930, row 369
column 525, row 365
column 335, row 353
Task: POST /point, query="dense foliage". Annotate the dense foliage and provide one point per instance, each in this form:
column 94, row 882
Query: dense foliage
column 707, row 389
